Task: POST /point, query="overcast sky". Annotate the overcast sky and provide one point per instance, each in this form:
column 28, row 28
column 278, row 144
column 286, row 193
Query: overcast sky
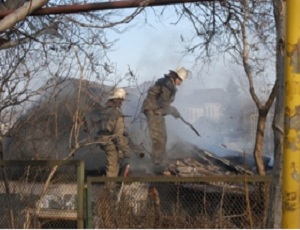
column 152, row 49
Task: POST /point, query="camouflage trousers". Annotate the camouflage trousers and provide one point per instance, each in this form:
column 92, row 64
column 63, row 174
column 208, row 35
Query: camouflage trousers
column 112, row 160
column 158, row 134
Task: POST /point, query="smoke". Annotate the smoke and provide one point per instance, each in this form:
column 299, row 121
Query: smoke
column 44, row 131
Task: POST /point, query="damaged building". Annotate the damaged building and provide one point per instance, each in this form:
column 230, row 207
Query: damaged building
column 47, row 131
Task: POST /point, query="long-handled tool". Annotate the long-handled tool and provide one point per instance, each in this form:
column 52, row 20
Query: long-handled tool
column 191, row 126
column 126, row 172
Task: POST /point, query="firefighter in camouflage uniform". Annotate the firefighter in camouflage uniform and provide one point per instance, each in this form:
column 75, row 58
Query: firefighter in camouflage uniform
column 156, row 105
column 107, row 126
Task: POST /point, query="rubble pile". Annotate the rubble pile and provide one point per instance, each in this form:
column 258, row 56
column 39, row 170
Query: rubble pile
column 190, row 167
column 205, row 164
column 210, row 165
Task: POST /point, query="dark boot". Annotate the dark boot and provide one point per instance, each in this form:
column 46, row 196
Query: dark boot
column 158, row 169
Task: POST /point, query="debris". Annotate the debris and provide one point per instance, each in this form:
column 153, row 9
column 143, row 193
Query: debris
column 207, row 165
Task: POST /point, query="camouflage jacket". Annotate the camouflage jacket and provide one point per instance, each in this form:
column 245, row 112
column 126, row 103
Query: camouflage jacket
column 160, row 96
column 106, row 125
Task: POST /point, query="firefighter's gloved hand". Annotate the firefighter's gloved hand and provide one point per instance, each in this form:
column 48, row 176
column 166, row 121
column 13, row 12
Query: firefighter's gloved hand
column 123, row 154
column 174, row 112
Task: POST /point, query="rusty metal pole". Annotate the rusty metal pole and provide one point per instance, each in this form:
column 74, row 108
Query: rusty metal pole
column 291, row 158
column 109, row 5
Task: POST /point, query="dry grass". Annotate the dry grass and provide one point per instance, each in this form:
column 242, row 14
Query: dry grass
column 123, row 214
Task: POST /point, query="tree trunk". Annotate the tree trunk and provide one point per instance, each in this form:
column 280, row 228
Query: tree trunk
column 20, row 14
column 259, row 143
column 274, row 214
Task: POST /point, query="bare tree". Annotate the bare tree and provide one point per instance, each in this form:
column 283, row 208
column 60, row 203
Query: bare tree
column 275, row 198
column 222, row 28
column 243, row 31
column 34, row 50
column 40, row 58
column 20, row 13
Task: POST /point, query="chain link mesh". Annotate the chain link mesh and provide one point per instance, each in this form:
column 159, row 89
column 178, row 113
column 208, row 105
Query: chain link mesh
column 179, row 205
column 29, row 200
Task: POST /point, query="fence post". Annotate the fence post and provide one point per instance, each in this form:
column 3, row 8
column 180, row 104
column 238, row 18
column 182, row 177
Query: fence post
column 89, row 207
column 80, row 191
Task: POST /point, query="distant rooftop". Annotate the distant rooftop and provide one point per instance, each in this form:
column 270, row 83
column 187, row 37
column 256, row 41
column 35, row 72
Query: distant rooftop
column 201, row 96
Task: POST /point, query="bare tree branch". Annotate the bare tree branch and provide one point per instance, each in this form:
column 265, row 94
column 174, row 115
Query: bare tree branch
column 20, row 14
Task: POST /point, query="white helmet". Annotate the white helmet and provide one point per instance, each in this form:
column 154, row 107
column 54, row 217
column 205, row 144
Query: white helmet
column 182, row 73
column 118, row 93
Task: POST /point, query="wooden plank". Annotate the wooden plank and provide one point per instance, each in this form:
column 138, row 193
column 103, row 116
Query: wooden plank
column 56, row 214
column 31, row 188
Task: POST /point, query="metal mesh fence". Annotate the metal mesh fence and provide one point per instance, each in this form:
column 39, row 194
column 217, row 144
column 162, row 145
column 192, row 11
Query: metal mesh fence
column 40, row 194
column 210, row 202
column 34, row 195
